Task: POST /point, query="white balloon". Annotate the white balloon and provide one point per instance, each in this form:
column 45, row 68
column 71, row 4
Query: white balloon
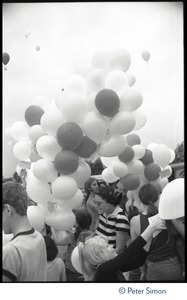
column 130, row 99
column 60, row 99
column 37, row 47
column 45, row 170
column 122, row 123
column 64, row 187
column 140, row 118
column 151, row 146
column 139, row 151
column 117, row 81
column 38, row 191
column 135, row 166
column 119, row 59
column 22, row 150
column 96, row 80
column 171, row 204
column 113, row 145
column 95, row 126
column 131, row 80
column 36, row 218
column 108, row 161
column 172, row 152
column 82, row 174
column 75, row 260
column 75, row 84
column 61, row 219
column 146, row 55
column 75, row 202
column 35, row 132
column 51, row 120
column 109, row 176
column 161, row 155
column 119, row 168
column 47, row 147
column 19, row 130
column 100, row 60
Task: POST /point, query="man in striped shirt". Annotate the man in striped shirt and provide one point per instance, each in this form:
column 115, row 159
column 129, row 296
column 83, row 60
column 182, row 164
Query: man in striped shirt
column 113, row 222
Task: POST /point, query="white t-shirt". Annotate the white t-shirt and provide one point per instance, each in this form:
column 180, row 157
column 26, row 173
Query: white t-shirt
column 25, row 258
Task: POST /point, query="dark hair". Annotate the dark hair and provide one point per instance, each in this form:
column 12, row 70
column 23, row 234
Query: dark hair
column 148, row 195
column 107, row 193
column 51, row 248
column 87, row 186
column 84, row 220
column 15, row 195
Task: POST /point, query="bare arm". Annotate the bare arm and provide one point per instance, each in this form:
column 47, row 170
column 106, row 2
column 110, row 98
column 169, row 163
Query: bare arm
column 121, row 241
column 179, row 226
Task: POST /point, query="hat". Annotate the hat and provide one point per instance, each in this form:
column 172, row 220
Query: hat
column 107, row 193
column 13, row 193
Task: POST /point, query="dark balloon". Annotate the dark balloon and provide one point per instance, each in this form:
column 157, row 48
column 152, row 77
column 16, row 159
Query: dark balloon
column 6, row 58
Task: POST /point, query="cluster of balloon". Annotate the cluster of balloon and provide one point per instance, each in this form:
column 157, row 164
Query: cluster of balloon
column 97, row 114
column 6, row 58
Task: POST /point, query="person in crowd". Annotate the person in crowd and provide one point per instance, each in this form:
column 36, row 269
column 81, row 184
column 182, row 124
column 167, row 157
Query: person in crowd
column 119, row 189
column 162, row 263
column 100, row 263
column 179, row 225
column 24, row 257
column 82, row 231
column 113, row 222
column 91, row 186
column 56, row 270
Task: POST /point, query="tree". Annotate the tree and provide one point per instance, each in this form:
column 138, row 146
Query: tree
column 179, row 153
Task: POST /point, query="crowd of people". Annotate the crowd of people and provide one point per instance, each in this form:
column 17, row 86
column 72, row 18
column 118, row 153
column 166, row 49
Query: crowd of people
column 116, row 241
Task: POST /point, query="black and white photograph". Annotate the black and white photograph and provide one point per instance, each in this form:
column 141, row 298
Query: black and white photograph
column 93, row 149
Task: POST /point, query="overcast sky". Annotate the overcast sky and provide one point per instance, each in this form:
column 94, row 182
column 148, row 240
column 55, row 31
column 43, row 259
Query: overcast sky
column 69, row 34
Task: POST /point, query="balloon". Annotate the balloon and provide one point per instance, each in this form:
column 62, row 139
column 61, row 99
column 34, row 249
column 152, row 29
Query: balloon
column 36, row 219
column 119, row 168
column 96, row 80
column 109, row 176
column 75, row 260
column 117, row 81
column 90, row 102
column 166, row 172
column 82, row 174
column 61, row 219
column 6, row 58
column 130, row 182
column 74, row 108
column 41, row 101
column 33, row 115
column 163, row 182
column 172, row 157
column 64, row 187
column 152, row 171
column 107, row 102
column 119, row 59
column 146, row 55
column 148, row 157
column 38, row 191
column 22, row 150
column 139, row 151
column 86, row 148
column 133, row 139
column 75, row 84
column 100, row 60
column 44, row 170
column 35, row 132
column 161, row 155
column 140, row 118
column 69, row 135
column 27, row 33
column 113, row 145
column 135, row 166
column 75, row 202
column 47, row 147
column 37, row 48
column 127, row 155
column 19, row 131
column 130, row 99
column 51, row 120
column 171, row 204
column 66, row 162
column 94, row 126
column 131, row 80
column 108, row 161
column 122, row 123
column 151, row 146
column 44, row 209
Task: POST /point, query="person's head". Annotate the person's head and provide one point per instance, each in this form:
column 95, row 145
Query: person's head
column 105, row 200
column 83, row 221
column 91, row 185
column 93, row 253
column 51, row 248
column 149, row 195
column 15, row 202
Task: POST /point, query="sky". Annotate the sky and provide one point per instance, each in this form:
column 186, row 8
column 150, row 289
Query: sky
column 69, row 34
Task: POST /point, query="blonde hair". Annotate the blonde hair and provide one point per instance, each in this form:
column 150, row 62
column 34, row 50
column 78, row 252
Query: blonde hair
column 92, row 254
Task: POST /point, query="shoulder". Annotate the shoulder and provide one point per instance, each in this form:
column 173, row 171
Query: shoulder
column 135, row 220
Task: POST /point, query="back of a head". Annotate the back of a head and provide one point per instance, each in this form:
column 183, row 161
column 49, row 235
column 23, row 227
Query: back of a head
column 148, row 194
column 108, row 194
column 15, row 195
column 83, row 218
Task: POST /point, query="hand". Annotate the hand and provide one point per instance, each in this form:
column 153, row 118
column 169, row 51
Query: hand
column 157, row 223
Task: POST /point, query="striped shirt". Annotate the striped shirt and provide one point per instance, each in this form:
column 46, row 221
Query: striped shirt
column 109, row 225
